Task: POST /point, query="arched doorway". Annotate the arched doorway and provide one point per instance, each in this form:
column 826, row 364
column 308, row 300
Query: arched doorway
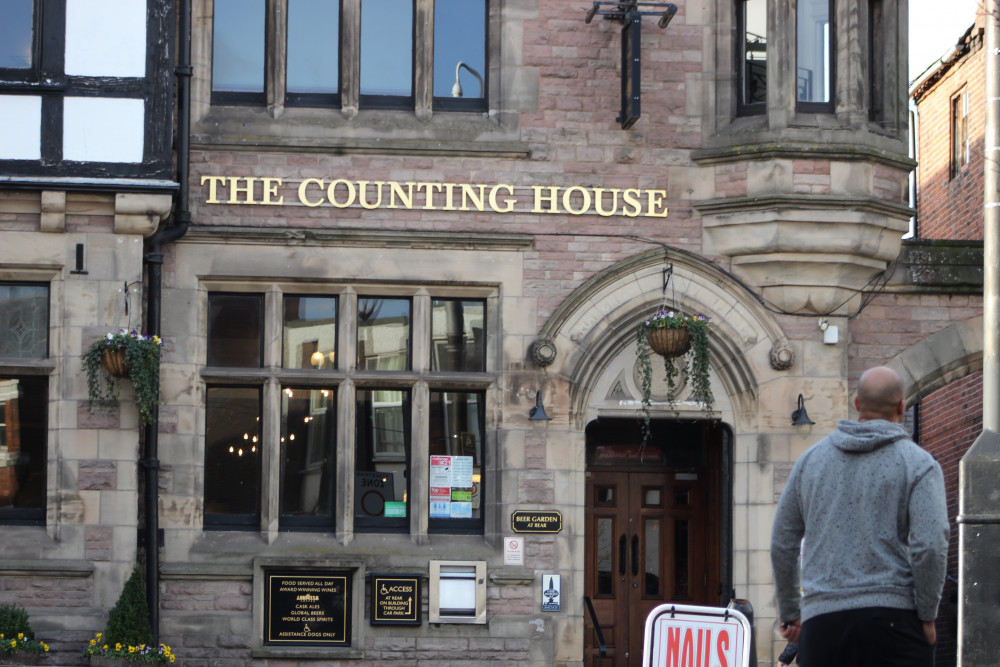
column 654, row 525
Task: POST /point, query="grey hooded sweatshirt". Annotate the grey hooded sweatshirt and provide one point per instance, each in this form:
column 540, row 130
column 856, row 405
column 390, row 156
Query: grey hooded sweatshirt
column 867, row 505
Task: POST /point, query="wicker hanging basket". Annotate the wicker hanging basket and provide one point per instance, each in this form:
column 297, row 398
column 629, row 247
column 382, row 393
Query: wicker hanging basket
column 669, row 343
column 114, row 363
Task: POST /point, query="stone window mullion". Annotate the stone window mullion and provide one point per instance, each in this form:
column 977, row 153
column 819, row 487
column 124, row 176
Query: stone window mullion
column 423, row 58
column 350, row 57
column 276, row 55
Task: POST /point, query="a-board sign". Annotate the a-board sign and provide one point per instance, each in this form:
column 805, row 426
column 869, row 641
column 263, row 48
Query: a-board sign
column 679, row 635
column 307, row 608
column 395, row 599
column 536, row 521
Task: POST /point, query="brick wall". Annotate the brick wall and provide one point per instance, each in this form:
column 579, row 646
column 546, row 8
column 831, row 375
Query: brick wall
column 951, row 207
column 950, row 421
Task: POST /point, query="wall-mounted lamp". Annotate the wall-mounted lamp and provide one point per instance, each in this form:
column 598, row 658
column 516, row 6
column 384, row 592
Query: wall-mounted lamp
column 800, row 419
column 539, row 420
column 456, row 90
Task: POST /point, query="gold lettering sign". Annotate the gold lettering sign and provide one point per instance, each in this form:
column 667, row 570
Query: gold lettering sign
column 427, row 196
column 538, row 521
column 395, row 600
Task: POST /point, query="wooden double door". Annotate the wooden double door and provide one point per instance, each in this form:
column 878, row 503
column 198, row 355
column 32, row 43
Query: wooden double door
column 652, row 537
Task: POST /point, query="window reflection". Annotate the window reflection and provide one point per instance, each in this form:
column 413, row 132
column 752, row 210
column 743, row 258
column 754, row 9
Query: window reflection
column 460, row 37
column 387, row 47
column 813, row 51
column 23, row 451
column 238, row 46
column 682, row 574
column 234, row 330
column 457, row 339
column 753, row 89
column 308, row 449
column 652, row 557
column 383, row 334
column 605, row 556
column 313, row 46
column 456, row 443
column 16, row 18
column 309, row 331
column 382, row 459
column 232, row 455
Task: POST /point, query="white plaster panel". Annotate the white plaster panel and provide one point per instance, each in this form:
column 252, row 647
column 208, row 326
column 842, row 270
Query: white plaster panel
column 21, row 138
column 106, row 37
column 99, row 129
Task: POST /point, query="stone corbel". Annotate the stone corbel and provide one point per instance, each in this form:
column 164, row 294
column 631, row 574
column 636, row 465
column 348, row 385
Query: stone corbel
column 782, row 355
column 140, row 213
column 53, row 211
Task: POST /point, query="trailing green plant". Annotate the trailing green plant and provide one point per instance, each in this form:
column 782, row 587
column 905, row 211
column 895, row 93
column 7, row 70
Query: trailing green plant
column 142, row 357
column 694, row 363
column 128, row 635
column 16, row 635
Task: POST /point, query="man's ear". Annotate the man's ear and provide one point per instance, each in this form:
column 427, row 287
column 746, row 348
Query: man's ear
column 856, row 406
column 901, row 408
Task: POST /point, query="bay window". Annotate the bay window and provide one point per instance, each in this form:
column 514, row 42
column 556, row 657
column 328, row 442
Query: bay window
column 324, row 419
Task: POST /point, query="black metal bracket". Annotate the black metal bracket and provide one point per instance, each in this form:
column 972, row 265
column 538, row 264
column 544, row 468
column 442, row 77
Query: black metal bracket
column 619, row 11
column 630, row 14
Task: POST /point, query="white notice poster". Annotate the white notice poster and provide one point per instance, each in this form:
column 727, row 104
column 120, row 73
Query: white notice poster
column 441, row 472
column 461, row 471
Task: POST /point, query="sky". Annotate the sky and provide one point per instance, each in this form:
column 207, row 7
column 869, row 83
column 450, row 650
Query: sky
column 935, row 27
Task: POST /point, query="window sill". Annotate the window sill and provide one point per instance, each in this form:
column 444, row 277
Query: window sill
column 388, row 132
column 27, row 366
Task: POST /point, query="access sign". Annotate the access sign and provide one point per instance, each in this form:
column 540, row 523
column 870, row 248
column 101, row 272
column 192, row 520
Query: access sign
column 688, row 636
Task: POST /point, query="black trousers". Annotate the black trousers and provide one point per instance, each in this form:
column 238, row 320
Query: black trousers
column 869, row 637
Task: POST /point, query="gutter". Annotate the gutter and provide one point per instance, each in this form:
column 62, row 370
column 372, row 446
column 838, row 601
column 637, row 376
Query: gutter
column 153, row 259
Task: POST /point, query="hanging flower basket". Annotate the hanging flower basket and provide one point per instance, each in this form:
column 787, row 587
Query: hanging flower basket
column 669, row 343
column 114, row 363
column 123, row 355
column 674, row 335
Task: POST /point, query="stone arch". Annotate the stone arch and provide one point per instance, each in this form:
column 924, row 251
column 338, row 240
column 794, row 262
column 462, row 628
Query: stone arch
column 939, row 359
column 596, row 323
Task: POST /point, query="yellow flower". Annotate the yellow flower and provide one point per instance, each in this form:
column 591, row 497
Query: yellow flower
column 20, row 635
column 118, row 647
column 93, row 642
column 105, row 647
column 171, row 658
column 13, row 643
column 131, row 649
column 45, row 646
column 98, row 635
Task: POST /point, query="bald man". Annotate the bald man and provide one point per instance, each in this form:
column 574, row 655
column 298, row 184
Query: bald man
column 865, row 511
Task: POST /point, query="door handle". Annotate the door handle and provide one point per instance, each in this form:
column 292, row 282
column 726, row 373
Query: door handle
column 622, row 547
column 635, row 555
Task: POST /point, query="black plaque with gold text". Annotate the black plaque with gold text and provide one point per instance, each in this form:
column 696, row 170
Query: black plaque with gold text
column 307, row 608
column 395, row 599
column 536, row 521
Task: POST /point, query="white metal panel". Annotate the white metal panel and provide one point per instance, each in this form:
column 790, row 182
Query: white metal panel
column 20, row 127
column 106, row 37
column 100, row 129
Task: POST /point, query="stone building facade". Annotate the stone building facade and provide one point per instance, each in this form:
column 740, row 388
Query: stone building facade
column 366, row 277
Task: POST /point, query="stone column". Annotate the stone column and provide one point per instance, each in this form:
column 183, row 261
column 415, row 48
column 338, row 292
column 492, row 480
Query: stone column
column 979, row 552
